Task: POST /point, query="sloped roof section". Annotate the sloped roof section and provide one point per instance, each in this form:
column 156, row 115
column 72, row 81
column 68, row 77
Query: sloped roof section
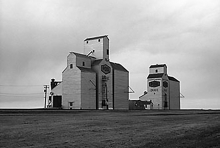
column 96, row 62
column 97, row 37
column 158, row 75
column 157, row 65
column 117, row 66
column 173, row 79
column 80, row 55
column 86, row 69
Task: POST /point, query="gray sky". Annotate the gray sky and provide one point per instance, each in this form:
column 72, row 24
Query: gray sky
column 36, row 37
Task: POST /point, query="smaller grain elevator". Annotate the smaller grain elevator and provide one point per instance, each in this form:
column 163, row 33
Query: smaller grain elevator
column 91, row 81
column 163, row 91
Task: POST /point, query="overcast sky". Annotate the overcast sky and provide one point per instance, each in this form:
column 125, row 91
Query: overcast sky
column 37, row 35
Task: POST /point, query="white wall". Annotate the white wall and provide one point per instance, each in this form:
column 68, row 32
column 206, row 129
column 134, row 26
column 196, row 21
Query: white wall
column 71, row 79
column 100, row 47
column 155, row 93
column 159, row 70
column 88, row 96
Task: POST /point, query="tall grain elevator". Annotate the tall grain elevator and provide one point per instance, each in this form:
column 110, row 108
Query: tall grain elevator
column 163, row 91
column 90, row 80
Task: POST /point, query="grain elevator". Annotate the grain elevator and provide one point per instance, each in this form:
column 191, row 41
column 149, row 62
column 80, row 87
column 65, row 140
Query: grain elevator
column 90, row 80
column 163, row 91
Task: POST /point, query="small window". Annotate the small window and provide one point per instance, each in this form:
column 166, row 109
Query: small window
column 87, row 42
column 71, row 103
column 83, row 63
column 71, row 66
column 156, row 70
column 98, row 40
column 107, row 52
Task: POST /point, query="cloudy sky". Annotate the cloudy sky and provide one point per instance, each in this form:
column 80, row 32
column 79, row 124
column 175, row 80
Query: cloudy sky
column 36, row 37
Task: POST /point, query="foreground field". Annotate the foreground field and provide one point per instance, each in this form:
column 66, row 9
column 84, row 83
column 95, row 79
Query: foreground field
column 69, row 128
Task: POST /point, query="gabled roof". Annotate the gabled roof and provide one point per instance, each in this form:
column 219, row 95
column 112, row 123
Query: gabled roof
column 157, row 65
column 158, row 75
column 80, row 55
column 97, row 37
column 173, row 79
column 117, row 66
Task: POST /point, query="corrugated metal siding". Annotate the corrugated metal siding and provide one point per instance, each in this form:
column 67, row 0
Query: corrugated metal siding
column 121, row 95
column 174, row 95
column 88, row 90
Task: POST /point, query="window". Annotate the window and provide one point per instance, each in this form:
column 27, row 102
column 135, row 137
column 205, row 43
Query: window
column 87, row 42
column 83, row 63
column 71, row 103
column 98, row 40
column 156, row 70
column 71, row 66
column 107, row 52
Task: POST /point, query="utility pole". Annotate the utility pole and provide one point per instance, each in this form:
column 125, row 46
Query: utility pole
column 45, row 96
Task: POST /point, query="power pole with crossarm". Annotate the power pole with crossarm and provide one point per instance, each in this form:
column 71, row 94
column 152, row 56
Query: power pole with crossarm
column 45, row 96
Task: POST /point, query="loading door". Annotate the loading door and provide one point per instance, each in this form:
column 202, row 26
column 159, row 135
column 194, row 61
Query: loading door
column 57, row 101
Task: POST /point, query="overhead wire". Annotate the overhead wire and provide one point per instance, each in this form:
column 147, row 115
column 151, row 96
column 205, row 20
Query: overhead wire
column 14, row 94
column 21, row 94
column 21, row 85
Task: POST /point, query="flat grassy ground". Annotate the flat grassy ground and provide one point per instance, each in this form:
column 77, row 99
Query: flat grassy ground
column 137, row 128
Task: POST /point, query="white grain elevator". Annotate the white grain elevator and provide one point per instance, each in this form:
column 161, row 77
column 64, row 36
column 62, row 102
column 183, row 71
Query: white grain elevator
column 91, row 81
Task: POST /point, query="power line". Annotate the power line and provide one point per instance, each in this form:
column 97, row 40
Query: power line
column 6, row 97
column 21, row 85
column 21, row 94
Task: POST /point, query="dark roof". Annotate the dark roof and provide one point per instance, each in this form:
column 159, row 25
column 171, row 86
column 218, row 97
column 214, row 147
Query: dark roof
column 117, row 66
column 158, row 75
column 157, row 65
column 86, row 69
column 173, row 79
column 96, row 62
column 97, row 37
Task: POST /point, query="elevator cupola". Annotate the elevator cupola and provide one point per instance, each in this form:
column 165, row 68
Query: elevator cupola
column 97, row 47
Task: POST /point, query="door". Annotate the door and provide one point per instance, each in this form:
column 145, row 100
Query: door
column 57, row 101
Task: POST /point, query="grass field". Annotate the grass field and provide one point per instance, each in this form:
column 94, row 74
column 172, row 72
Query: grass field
column 137, row 128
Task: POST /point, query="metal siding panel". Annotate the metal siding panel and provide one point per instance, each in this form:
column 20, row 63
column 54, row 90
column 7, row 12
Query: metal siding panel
column 121, row 80
column 174, row 95
column 97, row 69
column 88, row 90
